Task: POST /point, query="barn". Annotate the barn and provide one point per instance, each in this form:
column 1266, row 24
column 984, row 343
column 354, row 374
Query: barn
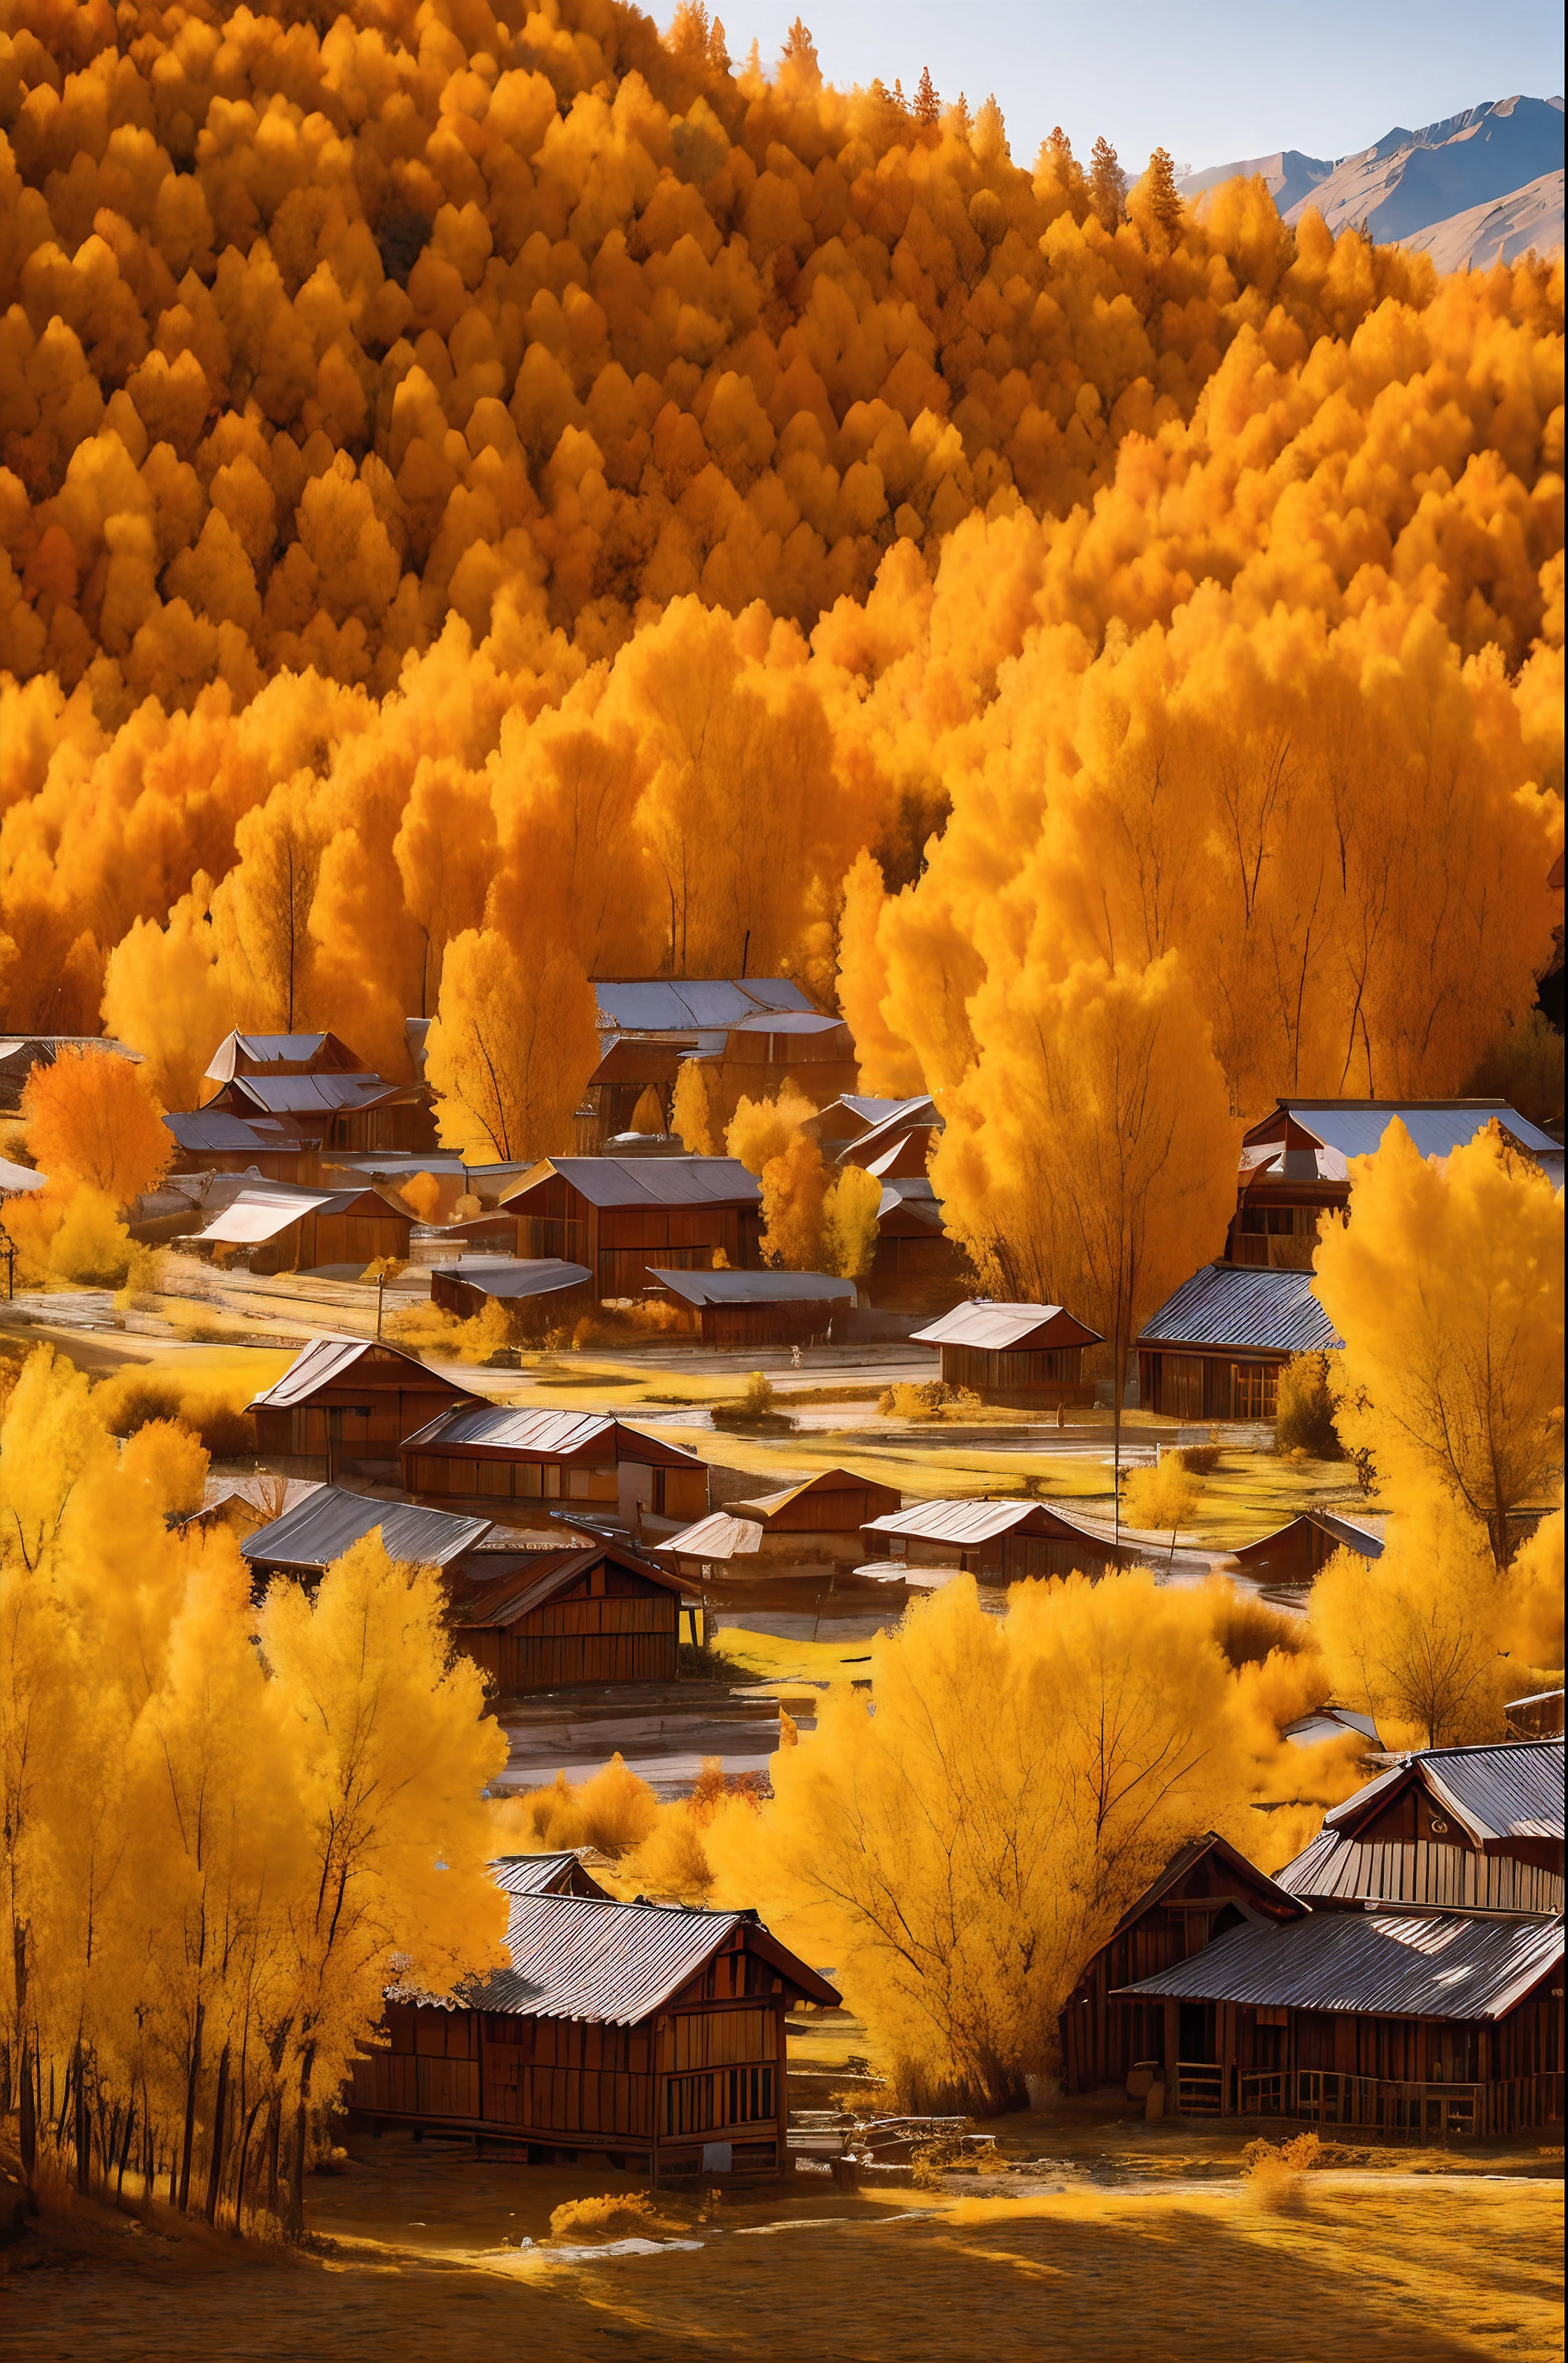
column 300, row 1230
column 1029, row 1355
column 816, row 1523
column 211, row 1140
column 740, row 1310
column 1001, row 1542
column 638, row 2034
column 554, row 1620
column 344, row 1400
column 1215, row 1349
column 521, row 1465
column 536, row 1293
column 617, row 1216
column 356, row 1113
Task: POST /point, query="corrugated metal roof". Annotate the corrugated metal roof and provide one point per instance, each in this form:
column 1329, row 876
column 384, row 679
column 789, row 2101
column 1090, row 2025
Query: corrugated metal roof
column 544, row 1874
column 754, row 1287
column 647, row 1180
column 1508, row 1789
column 917, row 1113
column 482, row 1600
column 994, row 1327
column 548, row 1434
column 219, row 1128
column 16, row 1177
column 672, row 1005
column 322, row 1528
column 260, row 1213
column 326, row 1358
column 955, row 1522
column 1241, row 1305
column 1366, row 1541
column 1445, row 1965
column 515, row 1278
column 313, row 1095
column 909, row 1195
column 827, row 1480
column 1355, row 1127
column 719, row 1535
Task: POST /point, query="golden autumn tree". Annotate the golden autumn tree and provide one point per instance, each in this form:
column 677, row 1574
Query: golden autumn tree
column 93, row 1121
column 1416, row 1638
column 691, row 1114
column 164, row 996
column 512, row 1046
column 850, row 1211
column 1446, row 1284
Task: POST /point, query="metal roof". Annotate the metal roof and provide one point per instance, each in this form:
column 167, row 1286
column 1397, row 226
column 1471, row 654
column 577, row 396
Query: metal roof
column 1444, row 1966
column 995, row 1327
column 646, row 1181
column 573, row 1956
column 1363, row 1541
column 313, row 1095
column 326, row 1358
column 827, row 1480
column 960, row 1522
column 521, row 1581
column 1508, row 1788
column 919, row 1113
column 262, row 1212
column 719, row 1535
column 754, row 1287
column 676, row 1005
column 14, row 1178
column 909, row 1195
column 1355, row 1127
column 332, row 1520
column 512, row 1278
column 544, row 1874
column 546, row 1435
column 1243, row 1305
column 789, row 1021
column 221, row 1128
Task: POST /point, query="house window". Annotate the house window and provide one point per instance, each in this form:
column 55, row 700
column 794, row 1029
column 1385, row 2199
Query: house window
column 1254, row 1390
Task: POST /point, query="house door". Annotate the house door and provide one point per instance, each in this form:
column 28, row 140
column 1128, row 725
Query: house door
column 634, row 1491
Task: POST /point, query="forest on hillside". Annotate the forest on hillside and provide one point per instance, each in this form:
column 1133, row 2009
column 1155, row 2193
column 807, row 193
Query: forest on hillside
column 492, row 496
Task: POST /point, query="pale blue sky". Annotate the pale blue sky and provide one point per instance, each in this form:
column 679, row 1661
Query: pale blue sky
column 1210, row 80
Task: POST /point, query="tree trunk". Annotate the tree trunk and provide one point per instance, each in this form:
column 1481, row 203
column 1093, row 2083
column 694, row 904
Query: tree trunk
column 83, row 2125
column 125, row 2150
column 188, row 2136
column 274, row 2132
column 28, row 2133
column 301, row 2137
column 243, row 2168
column 219, row 2111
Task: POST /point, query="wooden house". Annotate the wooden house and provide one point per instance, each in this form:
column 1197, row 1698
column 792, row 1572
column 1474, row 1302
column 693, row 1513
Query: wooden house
column 815, row 1523
column 740, row 1310
column 1295, row 1164
column 1293, row 1554
column 897, row 1145
column 356, row 1114
column 547, row 1874
column 555, row 1620
column 916, row 1268
column 534, row 1295
column 281, row 1229
column 347, row 1400
column 1000, row 1542
column 522, row 1464
column 211, row 1140
column 1420, row 1991
column 637, row 2035
column 752, row 1033
column 1205, row 1888
column 282, row 1054
column 328, row 1520
column 618, row 1215
column 1030, row 1355
column 1215, row 1349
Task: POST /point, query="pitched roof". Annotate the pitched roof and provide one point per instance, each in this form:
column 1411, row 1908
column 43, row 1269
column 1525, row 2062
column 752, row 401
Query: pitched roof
column 971, row 1522
column 646, row 1181
column 682, row 1003
column 321, row 1528
column 720, row 1534
column 546, row 1435
column 326, row 1360
column 1447, row 1966
column 544, row 1874
column 276, row 1050
column 1243, row 1306
column 995, row 1328
column 512, row 1279
column 16, row 1177
column 220, row 1128
column 827, row 1480
column 1269, row 1890
column 754, row 1287
column 1355, row 1127
column 1366, row 1541
column 260, row 1213
column 1508, row 1789
column 481, row 1601
column 313, row 1095
column 573, row 1956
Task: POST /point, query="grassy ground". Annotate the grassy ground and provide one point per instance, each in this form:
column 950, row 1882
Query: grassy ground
column 415, row 2253
column 764, row 1657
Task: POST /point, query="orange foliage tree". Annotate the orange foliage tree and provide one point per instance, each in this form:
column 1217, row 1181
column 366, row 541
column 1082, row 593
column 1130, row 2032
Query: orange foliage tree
column 91, row 1120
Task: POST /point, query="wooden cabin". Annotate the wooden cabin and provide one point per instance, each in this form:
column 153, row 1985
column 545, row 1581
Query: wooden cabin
column 280, row 1229
column 534, row 1295
column 1215, row 1349
column 1206, row 1888
column 555, row 1620
column 916, row 1268
column 521, row 1465
column 1294, row 1167
column 1000, row 1542
column 347, row 1400
column 1030, row 1355
column 649, row 1026
column 356, row 1114
column 328, row 1520
column 1421, row 1990
column 635, row 2034
column 740, row 1310
column 617, row 1216
column 1293, row 1554
column 213, row 1141
column 897, row 1145
column 815, row 1523
column 282, row 1054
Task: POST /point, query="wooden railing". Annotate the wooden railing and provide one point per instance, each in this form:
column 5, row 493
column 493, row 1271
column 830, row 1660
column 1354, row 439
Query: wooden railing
column 1389, row 2104
column 1200, row 2089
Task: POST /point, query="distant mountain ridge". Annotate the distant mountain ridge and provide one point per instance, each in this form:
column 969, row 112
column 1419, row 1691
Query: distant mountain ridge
column 1476, row 188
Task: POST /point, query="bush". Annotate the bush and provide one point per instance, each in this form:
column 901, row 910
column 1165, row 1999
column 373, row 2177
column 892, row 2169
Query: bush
column 760, row 1395
column 133, row 1396
column 1198, row 1459
column 617, row 2212
column 1305, row 1422
column 1248, row 1628
column 933, row 1399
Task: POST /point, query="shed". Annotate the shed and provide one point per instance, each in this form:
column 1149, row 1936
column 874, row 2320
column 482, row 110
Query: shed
column 316, row 1532
column 764, row 1026
column 1215, row 1349
column 522, row 1464
column 212, row 1140
column 282, row 1054
column 553, row 1620
column 896, row 1145
column 1030, row 1355
column 916, row 1267
column 742, row 1309
column 1205, row 1889
column 348, row 1399
column 1296, row 1163
column 352, row 1113
column 619, row 1215
column 537, row 1292
column 1003, row 1542
column 713, row 1541
column 820, row 1520
column 1402, row 2022
column 296, row 1230
column 1294, row 1553
column 648, row 2036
